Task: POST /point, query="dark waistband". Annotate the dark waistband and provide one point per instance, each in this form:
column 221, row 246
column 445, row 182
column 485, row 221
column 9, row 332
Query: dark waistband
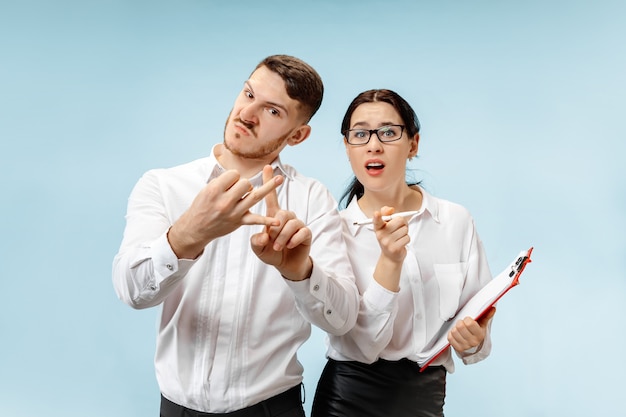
column 274, row 405
column 385, row 365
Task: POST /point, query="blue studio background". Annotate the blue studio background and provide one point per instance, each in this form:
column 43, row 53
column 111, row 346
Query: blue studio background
column 522, row 110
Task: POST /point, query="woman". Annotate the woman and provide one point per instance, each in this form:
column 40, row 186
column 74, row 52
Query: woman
column 413, row 272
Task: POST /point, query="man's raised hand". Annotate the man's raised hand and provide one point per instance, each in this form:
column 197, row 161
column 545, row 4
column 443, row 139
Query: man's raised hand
column 219, row 208
column 287, row 244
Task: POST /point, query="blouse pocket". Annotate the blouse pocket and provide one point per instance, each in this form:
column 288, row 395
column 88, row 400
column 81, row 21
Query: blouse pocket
column 450, row 280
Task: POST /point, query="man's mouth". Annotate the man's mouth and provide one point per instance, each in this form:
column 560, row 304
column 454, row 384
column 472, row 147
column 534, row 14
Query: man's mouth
column 243, row 127
column 247, row 125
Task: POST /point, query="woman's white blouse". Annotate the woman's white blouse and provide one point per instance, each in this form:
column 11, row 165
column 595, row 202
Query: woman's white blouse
column 445, row 266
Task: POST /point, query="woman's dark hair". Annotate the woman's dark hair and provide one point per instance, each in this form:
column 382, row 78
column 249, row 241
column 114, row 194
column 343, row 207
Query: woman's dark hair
column 404, row 109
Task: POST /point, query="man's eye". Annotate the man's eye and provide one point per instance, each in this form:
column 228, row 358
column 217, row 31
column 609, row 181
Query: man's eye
column 248, row 94
column 274, row 112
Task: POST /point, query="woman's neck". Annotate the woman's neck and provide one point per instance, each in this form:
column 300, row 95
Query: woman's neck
column 408, row 199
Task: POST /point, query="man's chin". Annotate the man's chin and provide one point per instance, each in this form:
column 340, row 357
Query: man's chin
column 232, row 147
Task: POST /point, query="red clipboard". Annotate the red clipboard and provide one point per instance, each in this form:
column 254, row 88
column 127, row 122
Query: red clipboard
column 476, row 307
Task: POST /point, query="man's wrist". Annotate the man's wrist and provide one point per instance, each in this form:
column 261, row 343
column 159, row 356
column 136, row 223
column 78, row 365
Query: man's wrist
column 306, row 275
column 180, row 249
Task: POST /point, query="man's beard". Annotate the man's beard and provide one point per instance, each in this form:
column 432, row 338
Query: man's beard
column 269, row 147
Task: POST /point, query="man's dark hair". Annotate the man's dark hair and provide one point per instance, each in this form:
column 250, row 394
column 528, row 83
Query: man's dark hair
column 302, row 82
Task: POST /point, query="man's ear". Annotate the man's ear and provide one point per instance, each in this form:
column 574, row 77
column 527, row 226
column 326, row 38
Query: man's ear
column 299, row 135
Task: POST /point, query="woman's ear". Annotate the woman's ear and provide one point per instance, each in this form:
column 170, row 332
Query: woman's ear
column 414, row 146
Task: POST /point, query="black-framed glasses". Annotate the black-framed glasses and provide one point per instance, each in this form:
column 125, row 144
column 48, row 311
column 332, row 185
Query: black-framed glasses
column 389, row 133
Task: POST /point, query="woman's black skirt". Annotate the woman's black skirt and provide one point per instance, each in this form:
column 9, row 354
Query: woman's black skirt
column 381, row 389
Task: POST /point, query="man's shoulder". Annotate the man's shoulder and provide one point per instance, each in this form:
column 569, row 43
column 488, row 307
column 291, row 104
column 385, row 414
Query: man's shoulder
column 304, row 191
column 192, row 165
column 189, row 173
column 297, row 176
column 186, row 168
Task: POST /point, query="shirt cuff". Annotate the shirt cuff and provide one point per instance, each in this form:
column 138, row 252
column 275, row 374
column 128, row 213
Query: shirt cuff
column 165, row 262
column 312, row 295
column 314, row 286
column 478, row 353
column 379, row 297
column 473, row 350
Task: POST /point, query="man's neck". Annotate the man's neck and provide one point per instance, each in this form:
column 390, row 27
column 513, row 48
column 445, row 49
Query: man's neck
column 246, row 167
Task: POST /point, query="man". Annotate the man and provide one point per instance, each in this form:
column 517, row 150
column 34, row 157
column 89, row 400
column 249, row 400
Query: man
column 242, row 253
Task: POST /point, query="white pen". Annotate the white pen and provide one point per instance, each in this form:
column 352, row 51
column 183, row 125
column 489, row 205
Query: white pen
column 387, row 218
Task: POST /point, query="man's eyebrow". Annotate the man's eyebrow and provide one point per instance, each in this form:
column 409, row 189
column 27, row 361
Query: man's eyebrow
column 282, row 107
column 247, row 84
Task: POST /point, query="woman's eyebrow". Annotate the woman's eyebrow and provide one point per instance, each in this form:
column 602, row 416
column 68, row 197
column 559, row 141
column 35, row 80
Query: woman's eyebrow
column 366, row 124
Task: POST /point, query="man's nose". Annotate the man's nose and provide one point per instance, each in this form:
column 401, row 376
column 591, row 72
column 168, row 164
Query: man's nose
column 248, row 114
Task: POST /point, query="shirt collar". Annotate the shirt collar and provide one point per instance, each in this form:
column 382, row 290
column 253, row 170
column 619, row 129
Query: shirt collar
column 353, row 213
column 214, row 169
column 429, row 204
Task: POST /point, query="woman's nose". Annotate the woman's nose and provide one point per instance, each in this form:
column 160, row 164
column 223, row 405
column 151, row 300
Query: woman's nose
column 374, row 144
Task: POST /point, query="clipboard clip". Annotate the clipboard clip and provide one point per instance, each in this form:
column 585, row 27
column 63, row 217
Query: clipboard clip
column 519, row 265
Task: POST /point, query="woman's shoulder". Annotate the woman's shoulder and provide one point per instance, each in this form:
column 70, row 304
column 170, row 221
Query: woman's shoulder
column 444, row 207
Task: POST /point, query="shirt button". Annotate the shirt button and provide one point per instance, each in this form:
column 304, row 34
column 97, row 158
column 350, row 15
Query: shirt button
column 316, row 287
column 169, row 266
column 329, row 312
column 153, row 287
